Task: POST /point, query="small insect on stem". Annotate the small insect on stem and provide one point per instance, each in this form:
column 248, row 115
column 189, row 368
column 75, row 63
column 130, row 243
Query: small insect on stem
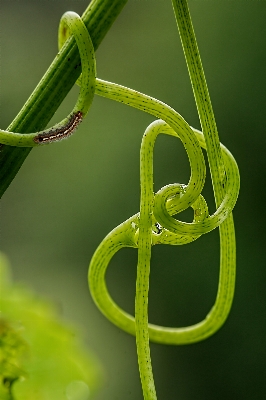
column 61, row 132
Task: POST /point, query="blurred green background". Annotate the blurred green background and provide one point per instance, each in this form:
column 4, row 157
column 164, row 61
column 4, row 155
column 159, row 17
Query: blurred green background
column 68, row 196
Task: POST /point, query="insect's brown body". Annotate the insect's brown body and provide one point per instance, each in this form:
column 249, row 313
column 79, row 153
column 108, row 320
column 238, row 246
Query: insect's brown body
column 62, row 132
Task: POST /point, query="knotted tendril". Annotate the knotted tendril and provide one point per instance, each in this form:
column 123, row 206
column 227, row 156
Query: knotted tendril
column 155, row 224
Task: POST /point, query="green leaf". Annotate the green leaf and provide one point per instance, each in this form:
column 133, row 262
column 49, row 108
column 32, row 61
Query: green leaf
column 41, row 356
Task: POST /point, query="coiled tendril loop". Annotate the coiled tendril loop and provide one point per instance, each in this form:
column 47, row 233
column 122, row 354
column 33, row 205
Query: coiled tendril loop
column 155, row 224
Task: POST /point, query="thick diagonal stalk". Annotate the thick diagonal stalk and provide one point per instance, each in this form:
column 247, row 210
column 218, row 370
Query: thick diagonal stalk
column 54, row 86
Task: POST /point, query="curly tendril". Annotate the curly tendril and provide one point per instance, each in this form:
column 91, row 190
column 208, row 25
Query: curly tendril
column 155, row 224
column 72, row 22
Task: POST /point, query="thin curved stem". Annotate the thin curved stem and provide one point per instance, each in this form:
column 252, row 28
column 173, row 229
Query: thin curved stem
column 174, row 120
column 127, row 234
column 137, row 231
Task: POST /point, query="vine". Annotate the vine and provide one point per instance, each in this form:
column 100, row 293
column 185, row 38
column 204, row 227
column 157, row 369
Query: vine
column 155, row 224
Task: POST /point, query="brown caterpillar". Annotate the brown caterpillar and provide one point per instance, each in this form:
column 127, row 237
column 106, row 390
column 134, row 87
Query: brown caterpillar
column 60, row 133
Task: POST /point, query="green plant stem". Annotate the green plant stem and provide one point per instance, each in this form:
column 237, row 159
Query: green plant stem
column 170, row 227
column 143, row 270
column 202, row 97
column 127, row 234
column 213, row 147
column 54, row 86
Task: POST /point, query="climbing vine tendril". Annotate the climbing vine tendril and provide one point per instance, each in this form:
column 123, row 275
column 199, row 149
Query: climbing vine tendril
column 155, row 223
column 72, row 22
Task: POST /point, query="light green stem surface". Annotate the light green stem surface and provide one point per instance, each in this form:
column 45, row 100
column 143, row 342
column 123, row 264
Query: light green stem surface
column 143, row 272
column 127, row 234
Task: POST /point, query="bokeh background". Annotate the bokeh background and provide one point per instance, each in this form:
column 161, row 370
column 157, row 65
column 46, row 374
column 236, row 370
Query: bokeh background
column 68, row 196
